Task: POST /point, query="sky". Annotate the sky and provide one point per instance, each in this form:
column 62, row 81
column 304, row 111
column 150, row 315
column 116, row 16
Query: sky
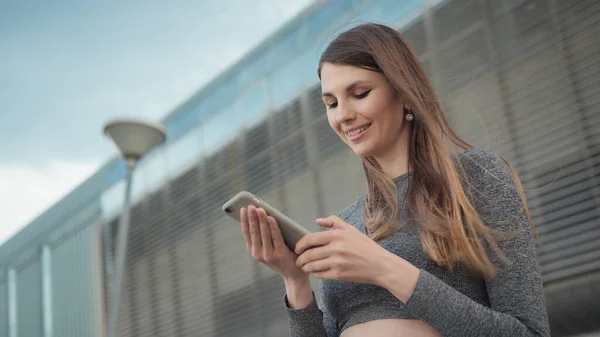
column 68, row 67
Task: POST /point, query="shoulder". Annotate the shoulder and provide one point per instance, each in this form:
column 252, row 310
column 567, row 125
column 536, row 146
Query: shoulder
column 352, row 213
column 489, row 181
column 483, row 169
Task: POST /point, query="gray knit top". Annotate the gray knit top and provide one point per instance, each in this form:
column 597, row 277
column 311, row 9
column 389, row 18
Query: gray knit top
column 457, row 304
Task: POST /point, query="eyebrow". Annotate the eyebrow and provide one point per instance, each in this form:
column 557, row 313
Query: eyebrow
column 350, row 87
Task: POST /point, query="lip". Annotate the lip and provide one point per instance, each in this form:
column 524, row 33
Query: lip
column 357, row 137
column 356, row 127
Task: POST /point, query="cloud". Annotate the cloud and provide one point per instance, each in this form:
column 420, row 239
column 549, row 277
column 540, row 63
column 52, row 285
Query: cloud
column 29, row 190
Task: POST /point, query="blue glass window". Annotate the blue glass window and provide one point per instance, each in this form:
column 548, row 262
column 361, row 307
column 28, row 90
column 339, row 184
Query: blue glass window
column 138, row 184
column 184, row 121
column 325, row 16
column 155, row 168
column 301, row 72
column 112, row 199
column 220, row 129
column 388, row 12
column 225, row 92
column 286, row 47
column 252, row 104
column 182, row 152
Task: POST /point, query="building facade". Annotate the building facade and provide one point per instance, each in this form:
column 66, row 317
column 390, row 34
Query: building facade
column 519, row 77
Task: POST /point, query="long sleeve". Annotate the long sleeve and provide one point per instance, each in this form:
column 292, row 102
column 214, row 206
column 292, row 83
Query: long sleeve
column 310, row 321
column 517, row 303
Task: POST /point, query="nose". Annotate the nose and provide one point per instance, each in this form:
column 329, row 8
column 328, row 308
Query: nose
column 345, row 113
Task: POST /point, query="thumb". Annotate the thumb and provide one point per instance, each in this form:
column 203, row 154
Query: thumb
column 333, row 222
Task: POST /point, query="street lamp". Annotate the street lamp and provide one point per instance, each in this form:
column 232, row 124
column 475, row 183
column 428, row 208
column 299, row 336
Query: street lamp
column 134, row 138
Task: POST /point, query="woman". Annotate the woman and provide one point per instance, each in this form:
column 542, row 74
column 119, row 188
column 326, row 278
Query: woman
column 442, row 243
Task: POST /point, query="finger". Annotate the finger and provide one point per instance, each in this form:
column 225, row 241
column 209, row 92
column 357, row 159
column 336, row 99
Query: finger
column 254, row 228
column 265, row 231
column 315, row 239
column 333, row 222
column 276, row 236
column 318, row 266
column 323, row 275
column 245, row 225
column 314, row 254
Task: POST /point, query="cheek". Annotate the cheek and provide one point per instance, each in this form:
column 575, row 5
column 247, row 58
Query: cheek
column 331, row 123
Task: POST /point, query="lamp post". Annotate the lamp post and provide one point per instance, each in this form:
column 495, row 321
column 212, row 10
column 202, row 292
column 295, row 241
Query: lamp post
column 134, row 138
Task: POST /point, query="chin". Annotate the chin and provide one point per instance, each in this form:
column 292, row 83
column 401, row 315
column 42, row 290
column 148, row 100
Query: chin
column 362, row 151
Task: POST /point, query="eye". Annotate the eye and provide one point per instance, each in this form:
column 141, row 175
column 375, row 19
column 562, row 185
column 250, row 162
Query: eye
column 363, row 95
column 331, row 105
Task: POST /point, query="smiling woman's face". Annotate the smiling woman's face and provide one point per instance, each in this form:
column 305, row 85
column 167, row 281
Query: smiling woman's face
column 363, row 108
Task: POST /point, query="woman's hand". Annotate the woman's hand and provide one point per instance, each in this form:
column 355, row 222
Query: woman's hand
column 343, row 254
column 346, row 254
column 265, row 242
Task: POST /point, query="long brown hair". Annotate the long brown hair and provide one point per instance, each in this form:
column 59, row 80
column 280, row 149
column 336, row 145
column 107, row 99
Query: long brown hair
column 450, row 228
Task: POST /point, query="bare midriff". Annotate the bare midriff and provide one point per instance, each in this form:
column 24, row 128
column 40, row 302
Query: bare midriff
column 391, row 328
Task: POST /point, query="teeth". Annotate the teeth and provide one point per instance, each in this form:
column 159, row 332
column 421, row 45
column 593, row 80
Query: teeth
column 357, row 131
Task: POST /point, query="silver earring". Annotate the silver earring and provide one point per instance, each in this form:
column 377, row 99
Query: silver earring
column 410, row 117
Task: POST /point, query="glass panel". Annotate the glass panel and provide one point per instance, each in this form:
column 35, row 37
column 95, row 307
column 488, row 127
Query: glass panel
column 252, row 104
column 184, row 121
column 155, row 168
column 220, row 129
column 251, row 72
column 112, row 199
column 388, row 12
column 323, row 18
column 138, row 187
column 285, row 48
column 300, row 72
column 184, row 151
column 213, row 102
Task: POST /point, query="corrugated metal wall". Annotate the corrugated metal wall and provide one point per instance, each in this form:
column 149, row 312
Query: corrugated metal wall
column 518, row 77
column 29, row 294
column 3, row 308
column 72, row 293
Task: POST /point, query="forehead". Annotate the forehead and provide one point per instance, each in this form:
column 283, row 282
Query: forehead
column 335, row 77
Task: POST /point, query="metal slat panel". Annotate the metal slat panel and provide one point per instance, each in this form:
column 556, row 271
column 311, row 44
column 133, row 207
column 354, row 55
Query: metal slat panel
column 29, row 299
column 290, row 155
column 3, row 308
column 581, row 24
column 463, row 60
column 71, row 285
column 194, row 280
column 550, row 132
column 415, row 34
column 235, row 275
column 328, row 141
column 164, row 300
column 454, row 16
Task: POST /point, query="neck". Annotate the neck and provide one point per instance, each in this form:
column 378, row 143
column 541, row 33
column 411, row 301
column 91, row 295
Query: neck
column 394, row 162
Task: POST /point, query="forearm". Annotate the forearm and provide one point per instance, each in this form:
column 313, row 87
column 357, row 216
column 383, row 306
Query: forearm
column 299, row 293
column 398, row 276
column 304, row 316
column 448, row 310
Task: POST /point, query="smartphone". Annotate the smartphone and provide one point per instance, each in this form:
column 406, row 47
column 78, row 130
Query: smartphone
column 291, row 231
